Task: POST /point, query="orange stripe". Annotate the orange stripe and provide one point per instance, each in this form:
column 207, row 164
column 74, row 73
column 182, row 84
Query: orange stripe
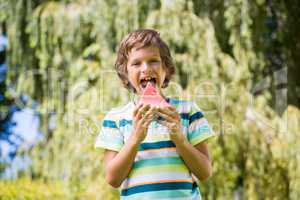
column 163, row 181
column 166, row 148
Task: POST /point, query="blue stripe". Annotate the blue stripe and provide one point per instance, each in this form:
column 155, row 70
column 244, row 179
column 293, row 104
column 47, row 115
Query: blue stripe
column 195, row 186
column 177, row 101
column 195, row 116
column 109, row 124
column 158, row 187
column 156, row 145
column 124, row 122
column 184, row 116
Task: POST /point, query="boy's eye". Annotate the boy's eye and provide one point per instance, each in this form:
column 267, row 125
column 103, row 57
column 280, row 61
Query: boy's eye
column 135, row 64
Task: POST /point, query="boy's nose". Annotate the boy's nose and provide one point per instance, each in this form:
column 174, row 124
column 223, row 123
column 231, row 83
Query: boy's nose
column 146, row 67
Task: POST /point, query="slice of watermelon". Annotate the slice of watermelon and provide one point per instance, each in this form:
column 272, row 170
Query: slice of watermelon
column 151, row 96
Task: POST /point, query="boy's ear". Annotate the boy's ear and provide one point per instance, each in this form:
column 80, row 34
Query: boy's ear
column 131, row 87
column 128, row 85
column 166, row 81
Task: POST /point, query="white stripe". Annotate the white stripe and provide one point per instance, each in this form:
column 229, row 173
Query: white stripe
column 162, row 153
column 157, row 177
column 197, row 124
column 184, row 108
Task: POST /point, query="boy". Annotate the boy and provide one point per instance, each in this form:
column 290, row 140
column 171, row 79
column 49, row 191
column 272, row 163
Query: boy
column 151, row 158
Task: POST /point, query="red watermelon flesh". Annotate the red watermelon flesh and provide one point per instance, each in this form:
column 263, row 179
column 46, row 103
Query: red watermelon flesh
column 151, row 96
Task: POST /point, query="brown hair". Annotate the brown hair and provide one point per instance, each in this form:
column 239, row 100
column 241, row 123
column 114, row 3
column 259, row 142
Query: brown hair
column 139, row 39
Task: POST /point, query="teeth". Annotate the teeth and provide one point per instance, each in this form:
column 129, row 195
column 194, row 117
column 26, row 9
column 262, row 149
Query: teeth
column 147, row 79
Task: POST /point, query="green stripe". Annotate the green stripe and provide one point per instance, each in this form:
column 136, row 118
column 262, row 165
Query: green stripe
column 185, row 122
column 199, row 131
column 158, row 161
column 157, row 137
column 201, row 138
column 159, row 168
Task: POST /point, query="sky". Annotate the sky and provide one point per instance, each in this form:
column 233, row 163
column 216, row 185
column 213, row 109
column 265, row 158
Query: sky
column 27, row 128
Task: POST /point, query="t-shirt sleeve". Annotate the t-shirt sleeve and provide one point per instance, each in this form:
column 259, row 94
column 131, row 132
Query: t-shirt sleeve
column 199, row 129
column 109, row 136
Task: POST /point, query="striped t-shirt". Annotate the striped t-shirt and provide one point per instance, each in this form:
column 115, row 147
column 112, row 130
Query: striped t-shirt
column 158, row 171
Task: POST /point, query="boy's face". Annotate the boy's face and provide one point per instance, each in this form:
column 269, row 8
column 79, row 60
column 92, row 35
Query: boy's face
column 145, row 65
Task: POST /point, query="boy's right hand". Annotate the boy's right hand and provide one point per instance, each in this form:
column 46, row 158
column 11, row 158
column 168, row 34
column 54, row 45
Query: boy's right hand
column 142, row 117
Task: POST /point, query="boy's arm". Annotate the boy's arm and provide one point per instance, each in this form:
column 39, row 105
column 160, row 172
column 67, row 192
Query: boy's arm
column 118, row 164
column 196, row 157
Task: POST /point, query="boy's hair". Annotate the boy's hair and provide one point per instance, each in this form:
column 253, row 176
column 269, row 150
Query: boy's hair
column 139, row 39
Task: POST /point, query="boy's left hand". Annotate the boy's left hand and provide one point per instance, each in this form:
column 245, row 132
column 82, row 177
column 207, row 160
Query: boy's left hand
column 172, row 122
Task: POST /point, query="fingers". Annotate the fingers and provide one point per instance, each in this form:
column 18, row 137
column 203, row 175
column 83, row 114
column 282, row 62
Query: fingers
column 173, row 108
column 148, row 116
column 146, row 122
column 171, row 118
column 170, row 110
column 170, row 114
column 166, row 117
column 143, row 109
column 136, row 109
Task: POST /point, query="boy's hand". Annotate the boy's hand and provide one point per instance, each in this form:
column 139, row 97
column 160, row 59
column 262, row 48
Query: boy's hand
column 142, row 116
column 172, row 121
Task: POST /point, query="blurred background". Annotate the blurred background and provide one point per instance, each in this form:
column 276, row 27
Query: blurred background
column 238, row 59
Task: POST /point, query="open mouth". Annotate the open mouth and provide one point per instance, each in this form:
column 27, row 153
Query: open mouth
column 145, row 81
